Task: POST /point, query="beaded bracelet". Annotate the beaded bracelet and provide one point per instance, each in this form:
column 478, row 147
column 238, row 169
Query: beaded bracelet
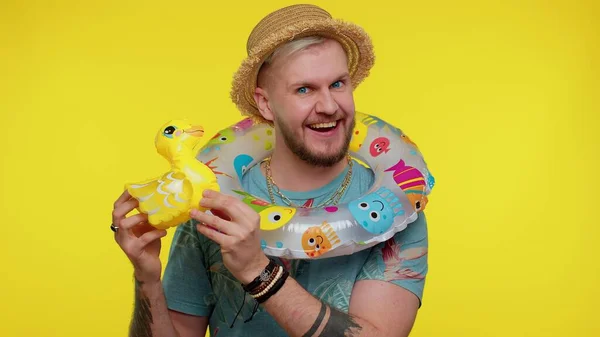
column 265, row 276
column 266, row 284
column 269, row 285
column 274, row 288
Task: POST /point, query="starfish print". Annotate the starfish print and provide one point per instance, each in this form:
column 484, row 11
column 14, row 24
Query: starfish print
column 214, row 168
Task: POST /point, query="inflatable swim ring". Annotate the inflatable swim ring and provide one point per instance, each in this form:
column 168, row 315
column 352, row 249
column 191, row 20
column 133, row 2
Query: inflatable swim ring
column 402, row 184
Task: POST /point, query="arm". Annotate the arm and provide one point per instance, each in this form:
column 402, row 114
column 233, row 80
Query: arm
column 389, row 294
column 376, row 309
column 141, row 243
column 189, row 325
column 150, row 314
column 151, row 317
column 296, row 310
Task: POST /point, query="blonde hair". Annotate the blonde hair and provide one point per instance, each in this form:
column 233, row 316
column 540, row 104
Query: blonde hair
column 293, row 46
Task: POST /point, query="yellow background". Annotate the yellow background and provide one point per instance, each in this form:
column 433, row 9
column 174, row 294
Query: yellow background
column 501, row 96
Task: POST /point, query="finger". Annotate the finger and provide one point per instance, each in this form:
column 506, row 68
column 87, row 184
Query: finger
column 122, row 210
column 128, row 223
column 141, row 228
column 150, row 237
column 220, row 214
column 212, row 234
column 134, row 226
column 233, row 207
column 221, row 225
column 122, row 198
column 126, row 237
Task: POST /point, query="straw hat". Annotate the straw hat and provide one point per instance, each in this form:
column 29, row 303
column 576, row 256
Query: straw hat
column 290, row 23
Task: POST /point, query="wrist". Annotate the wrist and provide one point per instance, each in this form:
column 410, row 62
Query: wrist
column 151, row 291
column 268, row 282
column 148, row 283
column 254, row 271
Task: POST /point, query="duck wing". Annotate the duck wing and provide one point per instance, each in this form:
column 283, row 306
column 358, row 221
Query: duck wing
column 166, row 199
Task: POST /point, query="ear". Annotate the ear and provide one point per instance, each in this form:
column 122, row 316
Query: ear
column 261, row 98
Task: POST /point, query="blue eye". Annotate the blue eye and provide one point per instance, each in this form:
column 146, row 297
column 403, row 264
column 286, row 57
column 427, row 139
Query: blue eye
column 302, row 90
column 337, row 84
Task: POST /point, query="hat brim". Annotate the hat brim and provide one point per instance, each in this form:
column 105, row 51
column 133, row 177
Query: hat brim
column 355, row 41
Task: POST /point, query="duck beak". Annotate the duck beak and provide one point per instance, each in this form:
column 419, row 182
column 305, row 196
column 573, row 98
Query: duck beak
column 196, row 131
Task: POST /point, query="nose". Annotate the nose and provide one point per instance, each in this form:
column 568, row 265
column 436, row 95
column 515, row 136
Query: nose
column 326, row 103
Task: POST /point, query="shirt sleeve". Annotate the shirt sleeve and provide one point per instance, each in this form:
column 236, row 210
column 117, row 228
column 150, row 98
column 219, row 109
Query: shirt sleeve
column 402, row 260
column 185, row 281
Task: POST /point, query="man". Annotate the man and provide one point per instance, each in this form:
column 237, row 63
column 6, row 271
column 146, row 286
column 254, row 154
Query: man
column 304, row 88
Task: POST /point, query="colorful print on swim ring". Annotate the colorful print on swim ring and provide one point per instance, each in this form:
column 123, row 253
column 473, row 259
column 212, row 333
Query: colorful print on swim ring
column 402, row 183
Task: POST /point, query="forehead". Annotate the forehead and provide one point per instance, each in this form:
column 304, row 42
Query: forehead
column 320, row 62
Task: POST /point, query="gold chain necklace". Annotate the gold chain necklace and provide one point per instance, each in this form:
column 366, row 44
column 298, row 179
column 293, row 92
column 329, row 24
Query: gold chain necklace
column 333, row 199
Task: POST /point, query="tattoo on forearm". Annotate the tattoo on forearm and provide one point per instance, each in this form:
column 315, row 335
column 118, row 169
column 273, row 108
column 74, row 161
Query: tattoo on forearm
column 338, row 324
column 142, row 316
column 318, row 321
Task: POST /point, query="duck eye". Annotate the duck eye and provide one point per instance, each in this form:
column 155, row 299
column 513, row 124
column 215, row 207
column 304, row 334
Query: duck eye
column 169, row 130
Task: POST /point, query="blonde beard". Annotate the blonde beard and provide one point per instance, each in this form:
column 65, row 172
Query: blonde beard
column 306, row 155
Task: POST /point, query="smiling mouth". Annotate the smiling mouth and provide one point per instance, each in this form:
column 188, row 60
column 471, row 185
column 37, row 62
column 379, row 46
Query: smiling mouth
column 323, row 127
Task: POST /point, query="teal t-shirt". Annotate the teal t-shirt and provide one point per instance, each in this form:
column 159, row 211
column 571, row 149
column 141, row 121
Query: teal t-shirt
column 197, row 283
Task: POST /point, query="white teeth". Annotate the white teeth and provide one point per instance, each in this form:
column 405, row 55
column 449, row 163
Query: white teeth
column 323, row 125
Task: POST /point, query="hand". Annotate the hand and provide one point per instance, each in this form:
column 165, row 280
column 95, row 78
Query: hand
column 138, row 239
column 235, row 227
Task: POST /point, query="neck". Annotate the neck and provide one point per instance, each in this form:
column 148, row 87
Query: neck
column 293, row 174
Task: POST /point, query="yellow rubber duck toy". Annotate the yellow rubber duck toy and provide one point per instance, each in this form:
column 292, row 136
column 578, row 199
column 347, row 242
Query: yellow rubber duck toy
column 168, row 199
